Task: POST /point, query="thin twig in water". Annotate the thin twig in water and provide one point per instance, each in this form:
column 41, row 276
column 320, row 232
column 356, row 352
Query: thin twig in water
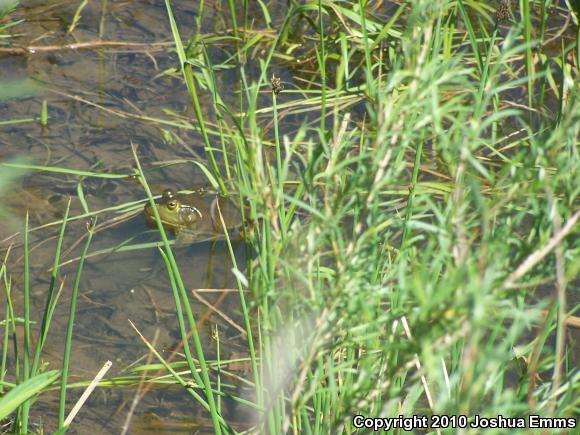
column 87, row 393
column 32, row 49
column 142, row 390
column 221, row 313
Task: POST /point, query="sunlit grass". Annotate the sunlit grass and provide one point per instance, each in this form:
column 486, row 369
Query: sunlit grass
column 411, row 202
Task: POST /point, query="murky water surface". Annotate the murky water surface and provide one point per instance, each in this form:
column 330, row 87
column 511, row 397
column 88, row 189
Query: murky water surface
column 98, row 100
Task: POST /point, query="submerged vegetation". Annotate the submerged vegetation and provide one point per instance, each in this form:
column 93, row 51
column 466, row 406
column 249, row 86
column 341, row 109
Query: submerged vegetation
column 408, row 177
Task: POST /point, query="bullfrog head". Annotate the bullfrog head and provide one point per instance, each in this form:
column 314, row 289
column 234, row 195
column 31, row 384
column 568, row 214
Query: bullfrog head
column 195, row 216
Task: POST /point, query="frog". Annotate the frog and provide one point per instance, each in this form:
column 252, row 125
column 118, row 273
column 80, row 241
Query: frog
column 195, row 217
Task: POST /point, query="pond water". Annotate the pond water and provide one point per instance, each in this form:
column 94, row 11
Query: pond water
column 100, row 100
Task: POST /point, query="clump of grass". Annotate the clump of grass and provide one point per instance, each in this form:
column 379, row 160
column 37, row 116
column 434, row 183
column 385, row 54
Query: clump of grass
column 7, row 6
column 30, row 376
column 411, row 203
column 390, row 242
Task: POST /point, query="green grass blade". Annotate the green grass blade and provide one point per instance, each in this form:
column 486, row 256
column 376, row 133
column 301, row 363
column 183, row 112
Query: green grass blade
column 25, row 391
column 26, row 306
column 192, row 91
column 70, row 324
column 45, row 325
column 174, row 270
column 59, row 170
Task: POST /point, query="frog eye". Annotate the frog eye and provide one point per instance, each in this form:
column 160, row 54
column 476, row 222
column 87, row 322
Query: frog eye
column 172, row 204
